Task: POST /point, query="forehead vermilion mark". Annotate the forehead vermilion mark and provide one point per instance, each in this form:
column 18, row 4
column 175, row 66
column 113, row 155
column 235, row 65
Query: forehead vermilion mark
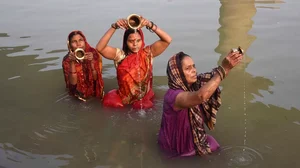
column 134, row 36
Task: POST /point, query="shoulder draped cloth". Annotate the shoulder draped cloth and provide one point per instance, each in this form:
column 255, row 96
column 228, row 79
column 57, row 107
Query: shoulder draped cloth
column 134, row 73
column 86, row 85
column 205, row 112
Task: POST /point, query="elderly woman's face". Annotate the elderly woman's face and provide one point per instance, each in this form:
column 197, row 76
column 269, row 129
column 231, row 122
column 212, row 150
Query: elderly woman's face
column 189, row 70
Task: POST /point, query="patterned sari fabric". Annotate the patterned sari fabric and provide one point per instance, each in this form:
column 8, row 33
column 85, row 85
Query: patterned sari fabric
column 86, row 86
column 134, row 74
column 198, row 115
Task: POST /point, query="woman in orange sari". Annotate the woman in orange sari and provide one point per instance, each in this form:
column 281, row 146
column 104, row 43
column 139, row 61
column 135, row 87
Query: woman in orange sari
column 133, row 63
column 83, row 78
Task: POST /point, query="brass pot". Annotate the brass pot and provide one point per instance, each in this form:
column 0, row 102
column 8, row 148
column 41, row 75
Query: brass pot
column 239, row 49
column 79, row 53
column 134, row 21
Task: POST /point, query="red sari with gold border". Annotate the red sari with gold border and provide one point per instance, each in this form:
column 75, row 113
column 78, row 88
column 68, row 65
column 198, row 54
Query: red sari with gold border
column 86, row 86
column 134, row 74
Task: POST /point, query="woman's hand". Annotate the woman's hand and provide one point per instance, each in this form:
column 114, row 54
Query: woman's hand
column 231, row 60
column 89, row 56
column 122, row 23
column 72, row 56
column 145, row 22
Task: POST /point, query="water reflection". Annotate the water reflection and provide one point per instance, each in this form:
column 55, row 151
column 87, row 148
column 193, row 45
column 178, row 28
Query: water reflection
column 42, row 125
column 4, row 35
column 12, row 157
column 39, row 116
column 29, row 119
column 247, row 122
column 266, row 4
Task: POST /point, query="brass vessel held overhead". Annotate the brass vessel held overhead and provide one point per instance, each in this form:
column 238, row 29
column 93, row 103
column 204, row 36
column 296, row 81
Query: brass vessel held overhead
column 79, row 53
column 134, row 21
column 239, row 49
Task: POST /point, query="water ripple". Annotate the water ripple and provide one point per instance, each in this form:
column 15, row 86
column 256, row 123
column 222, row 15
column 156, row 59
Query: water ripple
column 240, row 156
column 12, row 157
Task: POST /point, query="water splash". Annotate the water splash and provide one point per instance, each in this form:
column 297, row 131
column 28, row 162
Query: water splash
column 142, row 113
column 245, row 106
column 240, row 156
column 140, row 82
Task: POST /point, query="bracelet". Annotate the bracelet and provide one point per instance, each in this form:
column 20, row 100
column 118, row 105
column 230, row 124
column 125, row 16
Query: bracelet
column 155, row 28
column 222, row 70
column 150, row 28
column 151, row 25
column 113, row 25
column 72, row 72
column 220, row 74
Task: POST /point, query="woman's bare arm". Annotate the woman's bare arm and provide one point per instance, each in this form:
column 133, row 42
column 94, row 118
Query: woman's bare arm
column 159, row 46
column 107, row 51
column 191, row 99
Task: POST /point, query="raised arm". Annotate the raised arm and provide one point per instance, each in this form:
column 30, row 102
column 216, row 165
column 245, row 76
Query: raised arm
column 164, row 38
column 102, row 47
column 107, row 51
column 191, row 99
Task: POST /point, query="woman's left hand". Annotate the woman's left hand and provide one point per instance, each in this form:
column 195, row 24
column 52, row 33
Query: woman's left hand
column 145, row 22
column 89, row 56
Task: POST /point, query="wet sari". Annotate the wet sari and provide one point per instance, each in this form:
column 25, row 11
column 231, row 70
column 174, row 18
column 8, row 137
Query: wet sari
column 204, row 113
column 86, row 86
column 134, row 75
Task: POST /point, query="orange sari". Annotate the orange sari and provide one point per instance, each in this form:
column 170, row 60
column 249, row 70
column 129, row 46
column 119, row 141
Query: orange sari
column 86, row 86
column 134, row 74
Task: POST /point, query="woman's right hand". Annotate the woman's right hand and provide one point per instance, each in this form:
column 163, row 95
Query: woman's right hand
column 122, row 23
column 72, row 56
column 231, row 60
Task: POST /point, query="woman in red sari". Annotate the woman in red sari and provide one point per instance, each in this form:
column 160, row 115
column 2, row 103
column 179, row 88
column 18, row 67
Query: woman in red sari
column 133, row 63
column 83, row 77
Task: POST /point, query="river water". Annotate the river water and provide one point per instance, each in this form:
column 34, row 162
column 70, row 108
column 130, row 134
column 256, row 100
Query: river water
column 258, row 123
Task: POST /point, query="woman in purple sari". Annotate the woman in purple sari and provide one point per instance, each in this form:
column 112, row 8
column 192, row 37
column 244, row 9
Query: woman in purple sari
column 191, row 101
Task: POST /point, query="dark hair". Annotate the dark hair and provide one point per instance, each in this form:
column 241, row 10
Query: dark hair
column 73, row 34
column 180, row 56
column 125, row 38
